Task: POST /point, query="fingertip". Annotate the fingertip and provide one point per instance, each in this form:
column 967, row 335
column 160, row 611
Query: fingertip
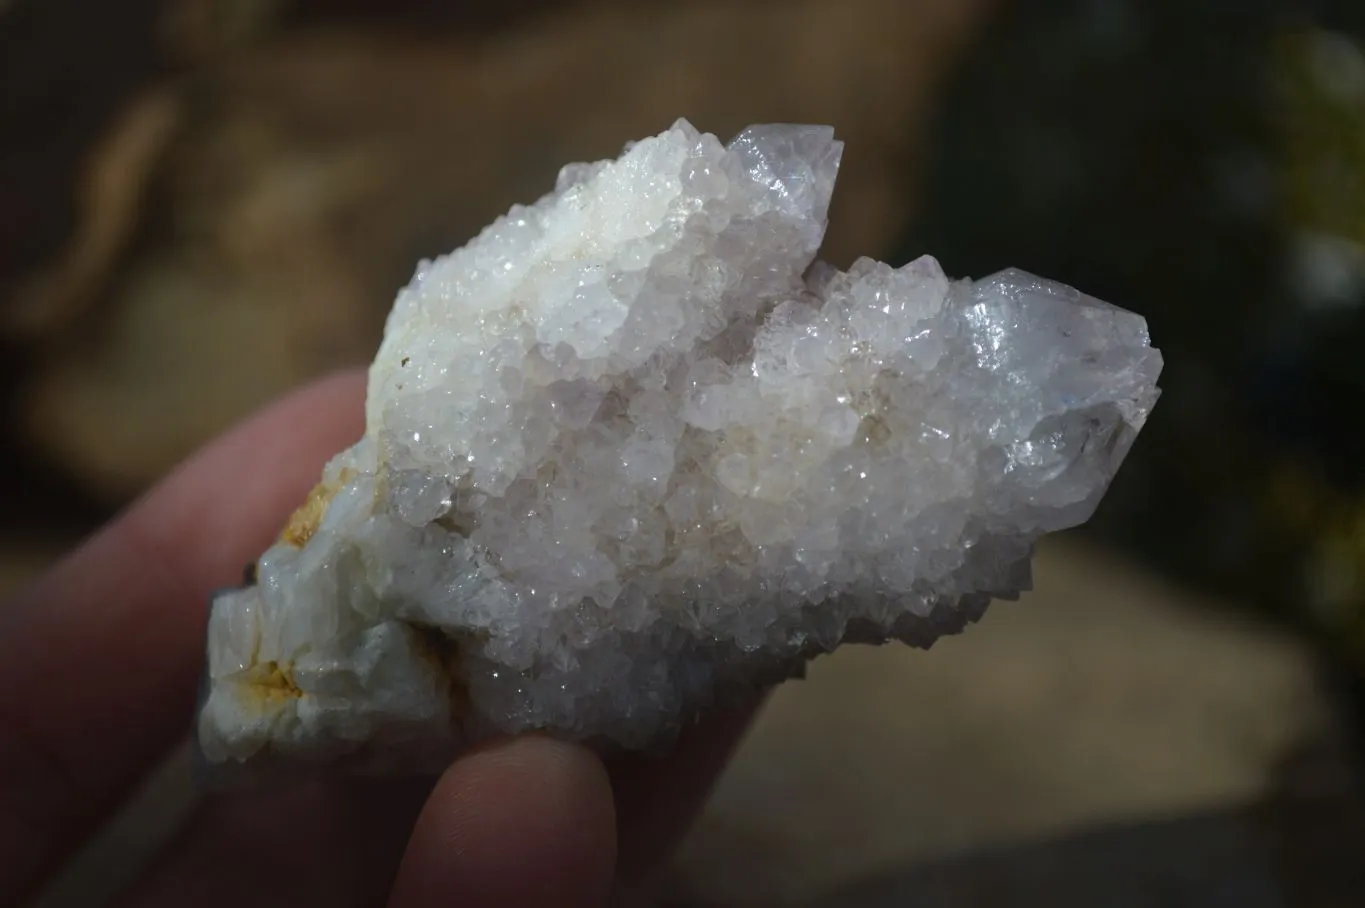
column 525, row 821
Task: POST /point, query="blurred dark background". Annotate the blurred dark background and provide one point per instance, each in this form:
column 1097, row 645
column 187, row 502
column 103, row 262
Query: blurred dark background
column 204, row 203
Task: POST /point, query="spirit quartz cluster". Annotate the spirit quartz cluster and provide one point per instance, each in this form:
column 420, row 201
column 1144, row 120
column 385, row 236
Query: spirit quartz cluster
column 632, row 451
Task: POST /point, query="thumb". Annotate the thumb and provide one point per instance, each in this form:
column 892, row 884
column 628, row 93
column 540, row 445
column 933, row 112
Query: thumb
column 527, row 821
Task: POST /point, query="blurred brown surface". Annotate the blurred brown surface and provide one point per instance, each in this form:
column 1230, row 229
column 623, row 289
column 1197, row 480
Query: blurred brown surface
column 244, row 226
column 21, row 562
column 1105, row 699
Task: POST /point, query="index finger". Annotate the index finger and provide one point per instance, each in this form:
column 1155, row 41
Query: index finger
column 100, row 659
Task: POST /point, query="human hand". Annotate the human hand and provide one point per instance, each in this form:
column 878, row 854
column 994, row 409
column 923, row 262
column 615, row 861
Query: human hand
column 99, row 664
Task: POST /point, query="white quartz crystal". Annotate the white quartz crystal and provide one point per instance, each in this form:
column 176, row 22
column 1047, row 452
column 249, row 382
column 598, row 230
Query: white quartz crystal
column 629, row 451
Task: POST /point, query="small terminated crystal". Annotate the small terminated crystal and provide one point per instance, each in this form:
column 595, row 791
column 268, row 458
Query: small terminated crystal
column 630, row 452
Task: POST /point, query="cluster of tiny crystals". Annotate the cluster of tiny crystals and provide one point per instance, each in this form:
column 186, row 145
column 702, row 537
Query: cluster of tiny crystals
column 633, row 450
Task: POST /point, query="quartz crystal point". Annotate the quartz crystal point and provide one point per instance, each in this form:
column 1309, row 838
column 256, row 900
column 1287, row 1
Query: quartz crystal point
column 632, row 451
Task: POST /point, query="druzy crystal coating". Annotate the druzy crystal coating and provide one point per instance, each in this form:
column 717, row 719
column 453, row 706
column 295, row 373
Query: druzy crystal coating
column 633, row 451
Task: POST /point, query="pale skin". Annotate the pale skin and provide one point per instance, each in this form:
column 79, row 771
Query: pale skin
column 99, row 663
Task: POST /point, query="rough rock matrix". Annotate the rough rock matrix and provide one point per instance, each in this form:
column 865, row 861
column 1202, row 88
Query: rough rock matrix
column 630, row 452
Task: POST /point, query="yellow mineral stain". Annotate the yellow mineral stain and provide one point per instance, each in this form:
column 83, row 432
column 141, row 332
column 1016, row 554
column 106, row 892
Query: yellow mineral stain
column 270, row 684
column 303, row 523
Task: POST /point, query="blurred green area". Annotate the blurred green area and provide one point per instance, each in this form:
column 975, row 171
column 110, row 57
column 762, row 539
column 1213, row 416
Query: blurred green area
column 1203, row 163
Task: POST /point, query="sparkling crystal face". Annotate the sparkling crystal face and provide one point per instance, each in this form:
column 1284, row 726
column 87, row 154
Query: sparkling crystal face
column 630, row 451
